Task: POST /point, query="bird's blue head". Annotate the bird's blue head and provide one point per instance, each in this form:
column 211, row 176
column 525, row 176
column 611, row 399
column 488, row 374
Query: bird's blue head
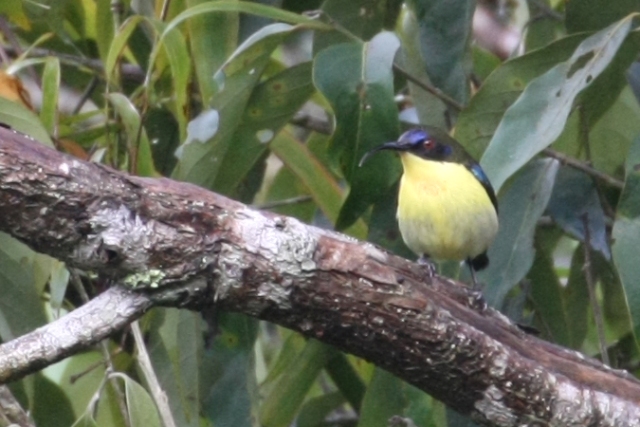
column 418, row 142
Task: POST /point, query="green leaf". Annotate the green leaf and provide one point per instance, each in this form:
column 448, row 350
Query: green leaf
column 118, row 44
column 23, row 120
column 283, row 403
column 23, row 273
column 611, row 137
column 210, row 134
column 315, row 411
column 592, row 15
column 548, row 302
column 521, row 204
column 212, row 38
column 357, row 80
column 362, row 18
column 576, row 300
column 384, row 399
column 140, row 407
column 86, row 420
column 51, row 406
column 175, row 348
column 445, row 34
column 270, row 107
column 383, row 225
column 58, row 284
column 81, row 377
column 478, row 122
column 229, row 391
column 250, row 8
column 50, row 90
column 626, row 235
column 575, row 200
column 347, row 380
column 287, row 186
column 431, row 110
column 321, row 185
column 137, row 140
column 538, row 117
column 180, row 62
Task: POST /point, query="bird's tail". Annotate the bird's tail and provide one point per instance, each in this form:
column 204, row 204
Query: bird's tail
column 479, row 262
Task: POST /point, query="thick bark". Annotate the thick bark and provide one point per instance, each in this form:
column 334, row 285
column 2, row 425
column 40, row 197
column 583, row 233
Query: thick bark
column 180, row 245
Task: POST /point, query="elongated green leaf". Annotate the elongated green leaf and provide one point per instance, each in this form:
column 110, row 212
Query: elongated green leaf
column 362, row 18
column 140, row 407
column 592, row 15
column 574, row 201
column 58, row 283
column 521, row 205
column 614, row 133
column 175, row 349
column 384, row 398
column 576, row 300
column 347, row 380
column 270, row 107
column 478, row 122
column 548, row 302
column 212, row 38
column 81, row 389
column 445, row 31
column 118, row 44
column 23, row 120
column 250, row 8
column 284, row 402
column 51, row 406
column 539, row 115
column 626, row 235
column 229, row 390
column 210, row 134
column 86, row 420
column 315, row 411
column 357, row 80
column 180, row 62
column 431, row 110
column 50, row 90
column 322, row 186
column 22, row 275
column 138, row 142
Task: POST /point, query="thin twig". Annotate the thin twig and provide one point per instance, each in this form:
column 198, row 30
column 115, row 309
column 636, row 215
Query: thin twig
column 284, row 202
column 106, row 355
column 307, row 121
column 159, row 396
column 165, row 9
column 591, row 286
column 85, row 95
column 130, row 72
column 577, row 164
column 431, row 89
column 11, row 412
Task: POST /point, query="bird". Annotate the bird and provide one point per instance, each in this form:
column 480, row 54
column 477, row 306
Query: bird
column 447, row 208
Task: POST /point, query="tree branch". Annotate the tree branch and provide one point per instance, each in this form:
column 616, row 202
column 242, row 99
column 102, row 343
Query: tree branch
column 179, row 245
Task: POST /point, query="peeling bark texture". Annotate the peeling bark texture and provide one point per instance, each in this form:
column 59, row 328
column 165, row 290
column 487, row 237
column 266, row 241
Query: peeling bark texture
column 178, row 245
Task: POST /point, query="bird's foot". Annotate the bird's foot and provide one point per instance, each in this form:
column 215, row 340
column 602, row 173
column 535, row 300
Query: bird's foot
column 476, row 301
column 428, row 265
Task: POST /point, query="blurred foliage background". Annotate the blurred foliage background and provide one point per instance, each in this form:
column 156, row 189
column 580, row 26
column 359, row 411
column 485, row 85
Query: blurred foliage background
column 273, row 103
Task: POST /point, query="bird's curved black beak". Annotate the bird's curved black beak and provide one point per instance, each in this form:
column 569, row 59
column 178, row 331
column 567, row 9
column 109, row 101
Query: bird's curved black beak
column 386, row 146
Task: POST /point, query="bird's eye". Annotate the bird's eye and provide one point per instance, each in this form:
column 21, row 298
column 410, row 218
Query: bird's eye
column 429, row 144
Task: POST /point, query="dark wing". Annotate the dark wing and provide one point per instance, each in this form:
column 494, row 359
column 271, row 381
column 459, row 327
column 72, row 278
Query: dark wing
column 477, row 171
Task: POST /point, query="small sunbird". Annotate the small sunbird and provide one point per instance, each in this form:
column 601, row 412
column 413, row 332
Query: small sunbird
column 447, row 209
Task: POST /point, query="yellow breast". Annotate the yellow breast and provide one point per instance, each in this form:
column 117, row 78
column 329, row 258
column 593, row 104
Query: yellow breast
column 443, row 211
